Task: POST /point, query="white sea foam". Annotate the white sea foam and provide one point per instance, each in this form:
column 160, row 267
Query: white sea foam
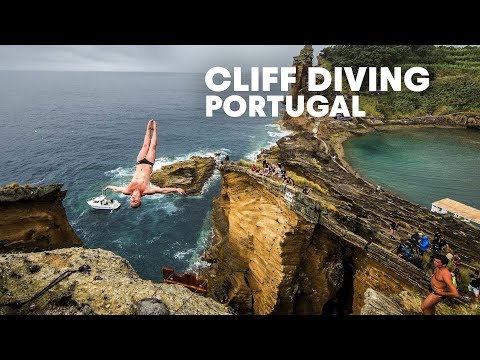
column 179, row 255
column 216, row 176
column 276, row 134
column 38, row 182
column 203, row 241
column 160, row 162
column 120, row 172
column 253, row 155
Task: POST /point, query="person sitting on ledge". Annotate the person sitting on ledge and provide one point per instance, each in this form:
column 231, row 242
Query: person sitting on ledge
column 140, row 184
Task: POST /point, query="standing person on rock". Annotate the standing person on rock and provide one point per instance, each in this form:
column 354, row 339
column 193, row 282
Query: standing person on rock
column 140, row 184
column 441, row 285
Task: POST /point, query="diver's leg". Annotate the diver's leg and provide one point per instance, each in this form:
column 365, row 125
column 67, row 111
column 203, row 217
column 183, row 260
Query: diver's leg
column 428, row 305
column 146, row 142
column 152, row 150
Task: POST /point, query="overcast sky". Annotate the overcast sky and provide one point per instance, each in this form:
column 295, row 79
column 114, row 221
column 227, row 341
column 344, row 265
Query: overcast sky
column 163, row 58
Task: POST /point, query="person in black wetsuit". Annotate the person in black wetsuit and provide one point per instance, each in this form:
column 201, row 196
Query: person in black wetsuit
column 140, row 184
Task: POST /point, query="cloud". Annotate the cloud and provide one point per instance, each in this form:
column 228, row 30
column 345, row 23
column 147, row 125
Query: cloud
column 155, row 58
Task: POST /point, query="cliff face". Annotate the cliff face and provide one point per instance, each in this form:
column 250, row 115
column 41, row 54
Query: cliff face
column 258, row 244
column 371, row 275
column 266, row 258
column 111, row 287
column 32, row 218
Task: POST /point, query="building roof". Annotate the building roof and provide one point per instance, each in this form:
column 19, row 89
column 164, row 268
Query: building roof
column 458, row 208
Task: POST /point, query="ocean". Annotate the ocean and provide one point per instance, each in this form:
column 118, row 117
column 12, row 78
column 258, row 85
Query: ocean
column 85, row 129
column 421, row 165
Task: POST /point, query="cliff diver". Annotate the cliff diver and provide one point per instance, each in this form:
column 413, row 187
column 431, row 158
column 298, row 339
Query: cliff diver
column 140, row 184
column 441, row 285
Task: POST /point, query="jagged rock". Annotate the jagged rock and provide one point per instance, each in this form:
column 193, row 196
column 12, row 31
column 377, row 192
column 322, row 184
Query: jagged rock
column 87, row 310
column 64, row 299
column 33, row 219
column 15, row 192
column 152, row 306
column 305, row 57
column 189, row 175
column 335, row 275
column 258, row 244
column 33, row 268
column 118, row 293
column 377, row 303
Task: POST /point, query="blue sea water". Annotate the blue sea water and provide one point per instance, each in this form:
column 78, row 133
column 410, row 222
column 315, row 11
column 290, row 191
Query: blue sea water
column 85, row 129
column 421, row 165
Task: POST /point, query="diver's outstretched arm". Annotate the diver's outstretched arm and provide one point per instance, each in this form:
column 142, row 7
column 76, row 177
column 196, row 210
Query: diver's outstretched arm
column 115, row 188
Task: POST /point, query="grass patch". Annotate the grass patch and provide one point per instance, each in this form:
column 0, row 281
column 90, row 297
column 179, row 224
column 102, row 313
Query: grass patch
column 300, row 181
column 244, row 163
column 454, row 78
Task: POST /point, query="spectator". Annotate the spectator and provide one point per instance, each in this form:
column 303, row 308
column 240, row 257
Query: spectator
column 393, row 227
column 424, row 244
column 457, row 275
column 284, row 186
column 474, row 285
column 405, row 252
column 456, row 261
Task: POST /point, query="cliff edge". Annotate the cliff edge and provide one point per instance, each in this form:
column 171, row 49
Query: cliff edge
column 33, row 219
column 111, row 287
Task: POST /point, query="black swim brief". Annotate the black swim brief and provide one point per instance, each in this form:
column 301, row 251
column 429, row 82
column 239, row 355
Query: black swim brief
column 144, row 161
column 433, row 292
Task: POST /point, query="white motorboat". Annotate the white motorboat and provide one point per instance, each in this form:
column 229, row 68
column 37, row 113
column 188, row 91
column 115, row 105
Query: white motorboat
column 102, row 203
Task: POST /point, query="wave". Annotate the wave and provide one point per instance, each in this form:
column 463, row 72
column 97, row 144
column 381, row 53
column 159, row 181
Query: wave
column 274, row 136
column 203, row 241
column 179, row 255
column 160, row 162
column 38, row 182
column 216, row 176
column 120, row 172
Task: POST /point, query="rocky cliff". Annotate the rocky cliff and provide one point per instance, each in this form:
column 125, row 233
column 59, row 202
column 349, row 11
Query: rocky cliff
column 256, row 237
column 32, row 218
column 189, row 175
column 111, row 286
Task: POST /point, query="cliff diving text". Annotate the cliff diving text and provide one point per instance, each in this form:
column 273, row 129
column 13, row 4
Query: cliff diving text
column 219, row 79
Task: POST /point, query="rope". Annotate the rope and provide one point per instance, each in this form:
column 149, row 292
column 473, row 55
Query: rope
column 17, row 304
column 193, row 293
